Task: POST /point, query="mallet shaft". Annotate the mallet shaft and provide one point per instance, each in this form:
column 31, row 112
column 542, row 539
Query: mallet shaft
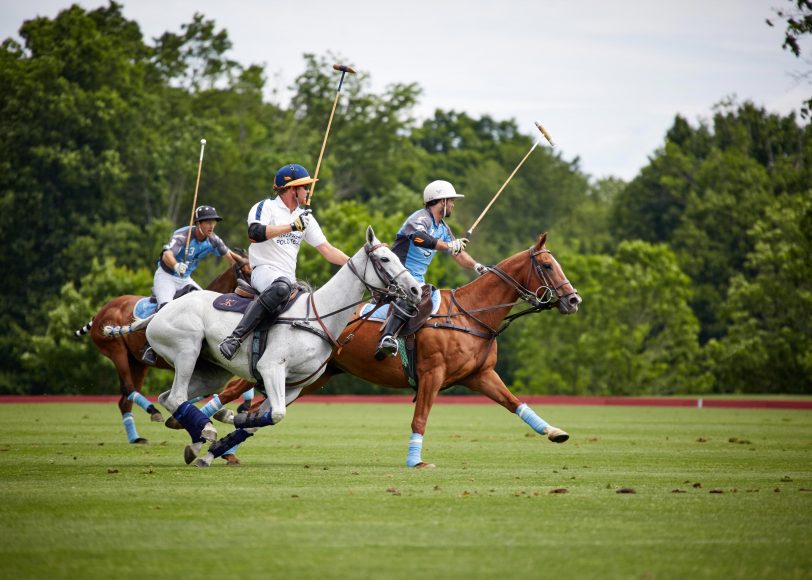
column 194, row 202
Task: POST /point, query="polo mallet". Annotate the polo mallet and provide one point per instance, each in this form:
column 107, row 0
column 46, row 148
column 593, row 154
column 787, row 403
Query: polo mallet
column 344, row 70
column 544, row 132
column 194, row 203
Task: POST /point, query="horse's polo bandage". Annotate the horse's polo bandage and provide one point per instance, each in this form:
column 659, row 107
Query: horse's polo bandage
column 529, row 416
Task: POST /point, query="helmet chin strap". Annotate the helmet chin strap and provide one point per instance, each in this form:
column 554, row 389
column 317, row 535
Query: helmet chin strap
column 445, row 203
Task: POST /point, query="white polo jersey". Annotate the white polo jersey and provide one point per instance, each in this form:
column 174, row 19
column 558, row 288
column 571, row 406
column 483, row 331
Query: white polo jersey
column 278, row 255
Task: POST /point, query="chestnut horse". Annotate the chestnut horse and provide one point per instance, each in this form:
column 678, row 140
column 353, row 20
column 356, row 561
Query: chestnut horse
column 125, row 351
column 457, row 346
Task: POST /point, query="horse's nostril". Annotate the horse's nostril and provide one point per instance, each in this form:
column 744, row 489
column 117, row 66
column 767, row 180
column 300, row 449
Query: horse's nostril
column 575, row 300
column 414, row 291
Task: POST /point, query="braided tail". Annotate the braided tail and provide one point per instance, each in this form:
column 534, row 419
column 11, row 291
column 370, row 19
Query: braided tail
column 84, row 330
column 140, row 324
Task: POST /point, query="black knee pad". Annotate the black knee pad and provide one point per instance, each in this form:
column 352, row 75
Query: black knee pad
column 275, row 295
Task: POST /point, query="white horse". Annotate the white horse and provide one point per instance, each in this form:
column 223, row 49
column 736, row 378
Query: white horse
column 187, row 333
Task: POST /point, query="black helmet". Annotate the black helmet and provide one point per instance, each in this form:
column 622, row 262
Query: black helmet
column 206, row 212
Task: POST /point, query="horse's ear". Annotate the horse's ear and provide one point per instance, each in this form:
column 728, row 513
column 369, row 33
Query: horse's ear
column 370, row 236
column 541, row 241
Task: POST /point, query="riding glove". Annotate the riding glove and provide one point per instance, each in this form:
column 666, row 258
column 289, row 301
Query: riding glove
column 457, row 246
column 301, row 222
column 180, row 268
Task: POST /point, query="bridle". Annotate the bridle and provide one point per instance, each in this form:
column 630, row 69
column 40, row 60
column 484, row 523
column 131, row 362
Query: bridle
column 544, row 297
column 392, row 289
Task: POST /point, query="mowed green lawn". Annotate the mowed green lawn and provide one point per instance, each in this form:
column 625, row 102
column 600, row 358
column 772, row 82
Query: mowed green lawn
column 326, row 494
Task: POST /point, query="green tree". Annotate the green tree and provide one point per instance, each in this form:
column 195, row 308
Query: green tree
column 634, row 333
column 768, row 347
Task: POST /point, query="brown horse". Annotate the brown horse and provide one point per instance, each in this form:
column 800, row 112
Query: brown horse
column 125, row 351
column 457, row 346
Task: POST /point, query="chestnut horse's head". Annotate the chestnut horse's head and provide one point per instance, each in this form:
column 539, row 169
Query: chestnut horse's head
column 553, row 284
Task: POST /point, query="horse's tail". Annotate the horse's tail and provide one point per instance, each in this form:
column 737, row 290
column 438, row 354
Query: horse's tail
column 84, row 330
column 139, row 324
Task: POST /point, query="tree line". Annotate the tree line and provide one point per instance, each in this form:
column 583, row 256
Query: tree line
column 695, row 274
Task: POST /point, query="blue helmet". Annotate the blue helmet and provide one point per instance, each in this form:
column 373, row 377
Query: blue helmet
column 292, row 175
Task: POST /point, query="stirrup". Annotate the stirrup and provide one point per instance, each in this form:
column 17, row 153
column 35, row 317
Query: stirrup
column 387, row 347
column 229, row 347
column 148, row 356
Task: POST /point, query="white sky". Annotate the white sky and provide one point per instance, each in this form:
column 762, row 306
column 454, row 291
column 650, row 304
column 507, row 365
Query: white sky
column 606, row 77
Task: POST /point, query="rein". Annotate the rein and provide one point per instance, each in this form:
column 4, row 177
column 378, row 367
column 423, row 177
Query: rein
column 392, row 290
column 536, row 303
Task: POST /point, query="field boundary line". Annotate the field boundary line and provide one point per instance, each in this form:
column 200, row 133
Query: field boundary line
column 697, row 402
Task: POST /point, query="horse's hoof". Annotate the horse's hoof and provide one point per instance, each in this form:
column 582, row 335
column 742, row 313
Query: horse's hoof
column 139, row 441
column 424, row 465
column 204, row 461
column 172, row 423
column 556, row 435
column 157, row 418
column 231, row 459
column 224, row 415
column 209, row 433
column 189, row 454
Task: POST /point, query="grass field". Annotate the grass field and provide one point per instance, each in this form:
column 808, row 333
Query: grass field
column 326, row 494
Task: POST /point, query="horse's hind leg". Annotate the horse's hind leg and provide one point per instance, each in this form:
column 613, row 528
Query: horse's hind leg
column 490, row 384
column 139, row 371
column 125, row 405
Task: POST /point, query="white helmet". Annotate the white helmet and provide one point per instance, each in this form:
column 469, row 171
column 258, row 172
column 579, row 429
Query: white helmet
column 439, row 190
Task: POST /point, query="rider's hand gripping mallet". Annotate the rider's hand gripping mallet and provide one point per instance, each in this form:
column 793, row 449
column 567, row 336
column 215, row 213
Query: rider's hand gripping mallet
column 544, row 132
column 194, row 203
column 344, row 70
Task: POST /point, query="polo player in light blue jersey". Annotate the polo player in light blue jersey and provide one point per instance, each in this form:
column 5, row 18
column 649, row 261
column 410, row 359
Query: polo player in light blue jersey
column 177, row 262
column 421, row 236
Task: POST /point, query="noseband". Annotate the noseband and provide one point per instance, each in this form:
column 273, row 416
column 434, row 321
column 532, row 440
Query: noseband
column 549, row 287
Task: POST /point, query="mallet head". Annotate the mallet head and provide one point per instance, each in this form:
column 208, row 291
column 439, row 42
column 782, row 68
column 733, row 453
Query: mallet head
column 344, row 68
column 545, row 133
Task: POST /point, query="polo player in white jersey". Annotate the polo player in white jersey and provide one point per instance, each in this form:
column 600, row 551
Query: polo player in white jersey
column 276, row 228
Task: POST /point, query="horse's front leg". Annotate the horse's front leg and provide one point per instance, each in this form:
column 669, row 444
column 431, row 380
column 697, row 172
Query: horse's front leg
column 270, row 412
column 176, row 401
column 428, row 386
column 490, row 384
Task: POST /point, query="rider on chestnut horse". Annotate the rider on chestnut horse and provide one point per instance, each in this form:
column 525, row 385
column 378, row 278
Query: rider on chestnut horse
column 179, row 258
column 421, row 236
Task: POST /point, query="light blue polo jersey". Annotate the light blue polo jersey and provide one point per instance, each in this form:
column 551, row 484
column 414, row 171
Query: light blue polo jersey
column 416, row 259
column 197, row 249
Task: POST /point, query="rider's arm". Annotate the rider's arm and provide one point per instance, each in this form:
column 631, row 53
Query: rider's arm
column 421, row 239
column 259, row 233
column 332, row 254
column 168, row 258
column 465, row 260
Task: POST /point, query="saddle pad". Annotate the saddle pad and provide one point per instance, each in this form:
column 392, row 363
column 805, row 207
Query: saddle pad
column 382, row 312
column 144, row 308
column 231, row 303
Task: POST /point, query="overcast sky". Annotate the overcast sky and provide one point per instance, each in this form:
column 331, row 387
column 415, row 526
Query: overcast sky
column 606, row 77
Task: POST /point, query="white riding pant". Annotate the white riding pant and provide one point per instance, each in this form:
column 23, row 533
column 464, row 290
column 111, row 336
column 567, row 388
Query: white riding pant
column 165, row 285
column 264, row 276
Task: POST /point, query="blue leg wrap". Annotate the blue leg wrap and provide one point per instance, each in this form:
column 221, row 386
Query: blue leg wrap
column 529, row 416
column 129, row 426
column 227, row 443
column 140, row 400
column 245, row 420
column 192, row 419
column 415, row 448
column 212, row 406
